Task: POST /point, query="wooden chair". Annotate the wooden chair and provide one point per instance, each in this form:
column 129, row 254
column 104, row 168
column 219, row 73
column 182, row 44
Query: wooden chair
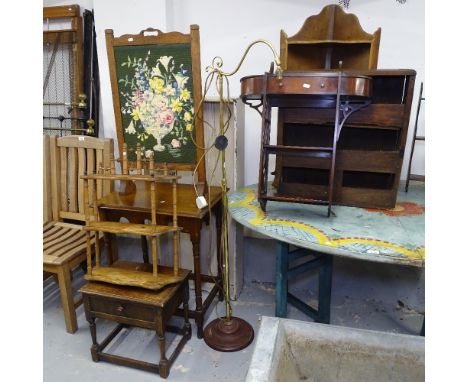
column 143, row 275
column 64, row 240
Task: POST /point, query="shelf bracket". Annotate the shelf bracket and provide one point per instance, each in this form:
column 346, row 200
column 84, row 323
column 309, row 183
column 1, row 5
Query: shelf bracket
column 347, row 108
column 256, row 107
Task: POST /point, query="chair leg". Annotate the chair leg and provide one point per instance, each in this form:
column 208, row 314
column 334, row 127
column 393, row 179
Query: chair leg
column 66, row 296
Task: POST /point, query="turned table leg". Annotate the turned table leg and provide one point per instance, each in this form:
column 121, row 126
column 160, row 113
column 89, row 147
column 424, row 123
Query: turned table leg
column 195, row 239
column 95, row 345
column 163, row 362
column 92, row 328
column 187, row 326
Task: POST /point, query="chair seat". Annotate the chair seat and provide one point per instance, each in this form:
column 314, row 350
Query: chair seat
column 62, row 242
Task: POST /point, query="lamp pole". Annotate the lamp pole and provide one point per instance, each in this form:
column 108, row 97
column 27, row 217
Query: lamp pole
column 229, row 333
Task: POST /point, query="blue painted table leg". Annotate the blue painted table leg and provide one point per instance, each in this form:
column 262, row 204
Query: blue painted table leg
column 282, row 251
column 325, row 285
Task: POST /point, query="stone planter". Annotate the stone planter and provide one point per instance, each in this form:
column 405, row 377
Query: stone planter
column 290, row 350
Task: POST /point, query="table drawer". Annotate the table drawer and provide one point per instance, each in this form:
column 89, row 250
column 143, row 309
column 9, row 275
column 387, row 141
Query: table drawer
column 125, row 309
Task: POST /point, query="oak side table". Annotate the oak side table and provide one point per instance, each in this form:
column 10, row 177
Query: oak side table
column 130, row 306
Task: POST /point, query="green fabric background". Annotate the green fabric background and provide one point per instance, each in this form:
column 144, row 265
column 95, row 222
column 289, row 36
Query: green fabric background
column 182, row 55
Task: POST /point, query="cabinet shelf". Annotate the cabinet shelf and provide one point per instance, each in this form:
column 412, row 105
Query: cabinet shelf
column 357, row 160
column 296, row 199
column 383, row 116
column 308, row 151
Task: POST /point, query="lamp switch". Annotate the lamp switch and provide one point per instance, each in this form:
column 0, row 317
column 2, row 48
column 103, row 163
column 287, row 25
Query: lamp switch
column 201, row 202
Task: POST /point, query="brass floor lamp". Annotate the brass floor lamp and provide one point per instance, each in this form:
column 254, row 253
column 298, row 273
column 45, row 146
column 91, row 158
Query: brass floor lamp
column 228, row 333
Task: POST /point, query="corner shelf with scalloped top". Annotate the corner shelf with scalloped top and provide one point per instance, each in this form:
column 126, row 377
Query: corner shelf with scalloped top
column 328, row 38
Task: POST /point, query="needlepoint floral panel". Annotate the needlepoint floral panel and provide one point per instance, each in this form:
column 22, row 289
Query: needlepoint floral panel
column 156, row 100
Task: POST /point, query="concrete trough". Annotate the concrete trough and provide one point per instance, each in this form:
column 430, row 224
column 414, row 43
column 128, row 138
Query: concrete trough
column 290, row 350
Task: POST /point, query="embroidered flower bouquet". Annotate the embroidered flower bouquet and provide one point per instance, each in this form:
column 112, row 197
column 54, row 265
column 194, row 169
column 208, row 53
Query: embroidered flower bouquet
column 160, row 104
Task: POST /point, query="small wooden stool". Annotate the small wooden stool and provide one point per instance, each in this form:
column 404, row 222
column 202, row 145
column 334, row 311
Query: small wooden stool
column 130, row 306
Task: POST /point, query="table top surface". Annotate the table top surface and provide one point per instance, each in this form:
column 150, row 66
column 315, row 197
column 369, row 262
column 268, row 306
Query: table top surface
column 140, row 201
column 388, row 236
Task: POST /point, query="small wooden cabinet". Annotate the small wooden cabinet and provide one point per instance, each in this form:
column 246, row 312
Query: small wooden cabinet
column 370, row 149
column 141, row 308
column 372, row 141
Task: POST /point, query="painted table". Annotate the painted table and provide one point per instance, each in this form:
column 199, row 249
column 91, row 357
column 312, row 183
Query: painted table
column 394, row 236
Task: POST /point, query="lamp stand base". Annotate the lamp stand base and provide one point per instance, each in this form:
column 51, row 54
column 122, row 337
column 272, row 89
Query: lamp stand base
column 228, row 335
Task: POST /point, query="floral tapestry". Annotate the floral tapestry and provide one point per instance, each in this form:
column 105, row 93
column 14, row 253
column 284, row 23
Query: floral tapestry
column 156, row 101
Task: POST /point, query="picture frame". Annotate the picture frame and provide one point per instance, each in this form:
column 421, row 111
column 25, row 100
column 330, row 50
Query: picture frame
column 156, row 90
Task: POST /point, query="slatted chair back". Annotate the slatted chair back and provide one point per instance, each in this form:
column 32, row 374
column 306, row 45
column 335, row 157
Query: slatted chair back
column 70, row 158
column 64, row 244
